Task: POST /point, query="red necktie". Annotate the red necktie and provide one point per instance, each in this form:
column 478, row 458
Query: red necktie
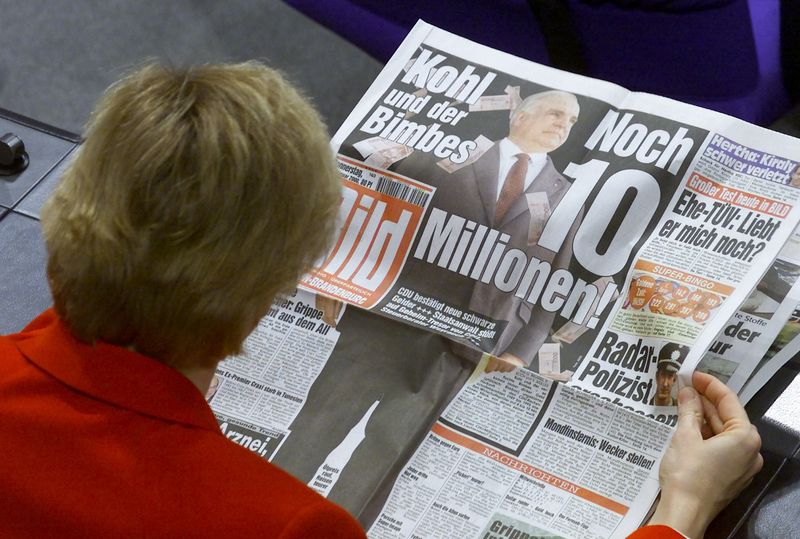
column 512, row 187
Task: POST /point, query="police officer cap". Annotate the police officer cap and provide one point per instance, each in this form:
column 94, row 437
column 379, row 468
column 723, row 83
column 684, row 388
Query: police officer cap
column 671, row 356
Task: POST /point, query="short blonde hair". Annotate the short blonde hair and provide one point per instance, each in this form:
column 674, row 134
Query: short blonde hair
column 198, row 196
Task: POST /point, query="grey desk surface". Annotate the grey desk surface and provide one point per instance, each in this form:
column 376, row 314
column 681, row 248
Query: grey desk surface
column 769, row 508
column 23, row 286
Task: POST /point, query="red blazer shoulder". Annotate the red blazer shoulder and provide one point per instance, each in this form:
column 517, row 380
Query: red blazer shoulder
column 656, row 532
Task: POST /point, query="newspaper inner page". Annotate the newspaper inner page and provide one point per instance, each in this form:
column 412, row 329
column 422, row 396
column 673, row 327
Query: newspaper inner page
column 257, row 395
column 747, row 338
column 290, row 399
column 785, row 347
column 515, row 453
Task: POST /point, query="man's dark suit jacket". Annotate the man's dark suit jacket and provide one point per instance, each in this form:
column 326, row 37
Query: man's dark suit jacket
column 471, row 192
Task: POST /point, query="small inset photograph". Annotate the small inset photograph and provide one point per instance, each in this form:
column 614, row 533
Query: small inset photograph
column 670, row 359
column 719, row 368
column 771, row 291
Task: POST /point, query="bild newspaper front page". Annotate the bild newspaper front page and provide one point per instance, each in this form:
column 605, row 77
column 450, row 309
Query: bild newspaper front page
column 529, row 263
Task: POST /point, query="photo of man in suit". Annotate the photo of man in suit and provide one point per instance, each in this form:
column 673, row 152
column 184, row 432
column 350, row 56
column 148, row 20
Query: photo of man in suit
column 513, row 187
column 524, row 178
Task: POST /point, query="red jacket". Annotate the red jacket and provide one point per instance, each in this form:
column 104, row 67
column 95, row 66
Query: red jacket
column 98, row 441
column 656, row 532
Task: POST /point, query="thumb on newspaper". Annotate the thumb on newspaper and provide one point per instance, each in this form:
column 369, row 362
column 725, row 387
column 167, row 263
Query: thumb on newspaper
column 690, row 414
column 700, row 474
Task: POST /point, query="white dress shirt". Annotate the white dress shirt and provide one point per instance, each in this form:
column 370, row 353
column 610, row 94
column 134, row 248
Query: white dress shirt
column 508, row 151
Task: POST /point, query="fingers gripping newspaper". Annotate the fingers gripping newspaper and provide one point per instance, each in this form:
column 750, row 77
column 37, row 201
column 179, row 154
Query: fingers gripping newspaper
column 583, row 247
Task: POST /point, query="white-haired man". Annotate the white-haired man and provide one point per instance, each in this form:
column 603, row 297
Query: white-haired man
column 511, row 186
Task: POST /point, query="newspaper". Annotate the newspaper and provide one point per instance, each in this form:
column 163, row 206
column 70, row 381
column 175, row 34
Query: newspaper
column 536, row 457
column 641, row 229
column 785, row 347
column 537, row 259
column 763, row 324
column 257, row 395
column 289, row 397
column 694, row 273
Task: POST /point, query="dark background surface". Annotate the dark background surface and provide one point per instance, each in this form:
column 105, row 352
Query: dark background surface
column 56, row 58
